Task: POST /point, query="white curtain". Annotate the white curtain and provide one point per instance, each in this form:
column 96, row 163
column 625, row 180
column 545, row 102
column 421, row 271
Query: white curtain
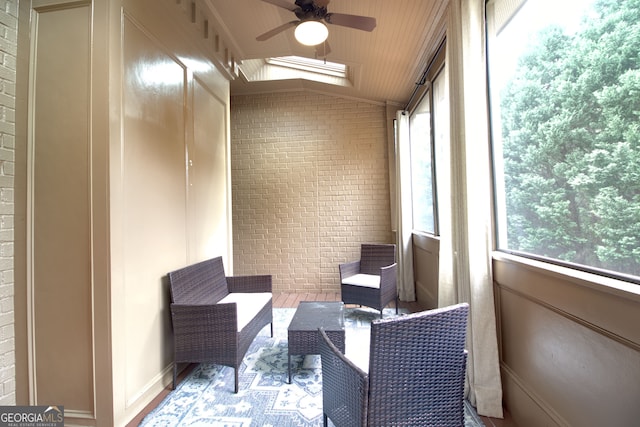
column 404, row 216
column 464, row 203
column 465, row 253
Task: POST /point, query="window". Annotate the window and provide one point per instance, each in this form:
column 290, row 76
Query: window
column 312, row 65
column 429, row 136
column 298, row 67
column 422, row 168
column 564, row 82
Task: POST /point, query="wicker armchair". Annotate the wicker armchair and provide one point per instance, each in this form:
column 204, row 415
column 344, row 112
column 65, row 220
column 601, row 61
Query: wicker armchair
column 215, row 317
column 417, row 366
column 372, row 280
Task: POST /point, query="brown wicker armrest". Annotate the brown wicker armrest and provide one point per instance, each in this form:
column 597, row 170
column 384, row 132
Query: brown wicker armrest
column 257, row 283
column 349, row 269
column 388, row 276
column 388, row 283
column 203, row 331
column 345, row 386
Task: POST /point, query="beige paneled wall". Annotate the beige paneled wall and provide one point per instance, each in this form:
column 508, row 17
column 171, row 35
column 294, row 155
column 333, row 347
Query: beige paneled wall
column 122, row 175
column 426, row 256
column 570, row 345
column 310, row 182
column 153, row 209
column 208, row 162
column 60, row 258
column 169, row 191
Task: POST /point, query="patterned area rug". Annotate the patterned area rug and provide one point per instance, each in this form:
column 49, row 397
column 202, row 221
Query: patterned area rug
column 205, row 397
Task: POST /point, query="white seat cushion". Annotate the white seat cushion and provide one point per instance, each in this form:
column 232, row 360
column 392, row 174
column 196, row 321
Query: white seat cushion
column 366, row 280
column 248, row 305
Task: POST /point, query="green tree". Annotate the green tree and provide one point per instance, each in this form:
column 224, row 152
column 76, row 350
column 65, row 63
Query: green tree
column 571, row 137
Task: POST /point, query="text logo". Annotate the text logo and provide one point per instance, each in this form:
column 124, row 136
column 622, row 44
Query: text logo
column 31, row 416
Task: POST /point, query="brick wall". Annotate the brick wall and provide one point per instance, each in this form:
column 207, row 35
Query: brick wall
column 310, row 182
column 8, row 49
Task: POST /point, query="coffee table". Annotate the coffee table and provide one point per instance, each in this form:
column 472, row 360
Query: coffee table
column 303, row 333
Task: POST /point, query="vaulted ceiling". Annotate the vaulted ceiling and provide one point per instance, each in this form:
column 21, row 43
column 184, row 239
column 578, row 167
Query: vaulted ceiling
column 385, row 64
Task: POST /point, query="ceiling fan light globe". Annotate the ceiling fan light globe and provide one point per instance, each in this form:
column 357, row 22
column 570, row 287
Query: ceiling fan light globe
column 311, row 33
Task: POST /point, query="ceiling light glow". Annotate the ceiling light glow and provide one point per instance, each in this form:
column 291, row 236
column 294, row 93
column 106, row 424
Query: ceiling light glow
column 311, row 33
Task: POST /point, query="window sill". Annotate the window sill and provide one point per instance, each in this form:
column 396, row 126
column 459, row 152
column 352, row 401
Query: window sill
column 593, row 281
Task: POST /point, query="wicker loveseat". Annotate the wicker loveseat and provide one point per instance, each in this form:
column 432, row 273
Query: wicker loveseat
column 215, row 318
column 416, row 373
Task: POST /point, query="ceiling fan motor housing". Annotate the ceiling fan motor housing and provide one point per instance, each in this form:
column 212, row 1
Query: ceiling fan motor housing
column 316, row 10
column 307, row 9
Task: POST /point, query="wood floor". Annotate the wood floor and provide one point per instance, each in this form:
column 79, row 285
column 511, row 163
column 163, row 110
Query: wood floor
column 286, row 300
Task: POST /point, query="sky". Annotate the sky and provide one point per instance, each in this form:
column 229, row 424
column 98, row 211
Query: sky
column 533, row 16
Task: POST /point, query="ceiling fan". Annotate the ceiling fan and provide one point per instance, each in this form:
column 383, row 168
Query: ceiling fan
column 315, row 11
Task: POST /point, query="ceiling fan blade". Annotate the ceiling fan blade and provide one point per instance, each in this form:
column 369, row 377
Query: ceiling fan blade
column 322, row 3
column 364, row 23
column 276, row 31
column 322, row 50
column 283, row 4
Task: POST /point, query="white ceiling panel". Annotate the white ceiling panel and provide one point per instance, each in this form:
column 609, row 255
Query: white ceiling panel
column 389, row 60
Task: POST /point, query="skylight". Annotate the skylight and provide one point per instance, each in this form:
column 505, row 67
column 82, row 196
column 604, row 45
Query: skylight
column 312, row 65
column 297, row 67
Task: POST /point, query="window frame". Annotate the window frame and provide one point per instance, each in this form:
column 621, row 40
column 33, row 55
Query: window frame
column 500, row 209
column 424, row 90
